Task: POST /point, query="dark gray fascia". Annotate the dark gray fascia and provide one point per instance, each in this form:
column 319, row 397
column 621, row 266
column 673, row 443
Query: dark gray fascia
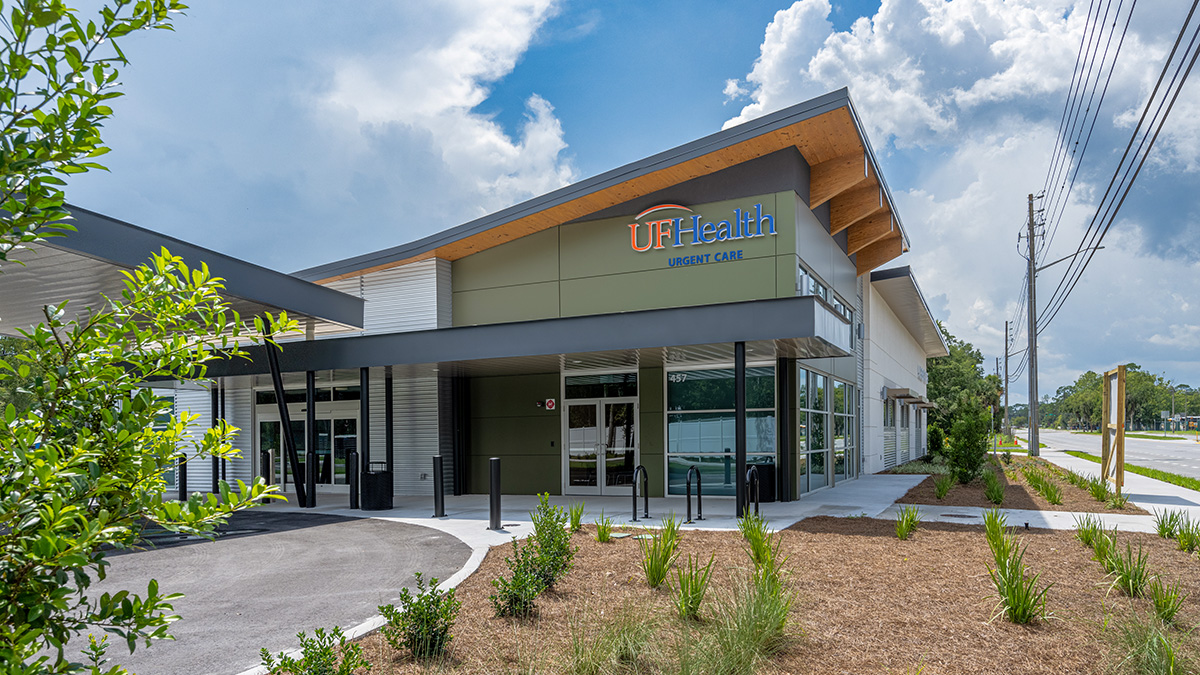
column 727, row 137
column 110, row 240
column 780, row 318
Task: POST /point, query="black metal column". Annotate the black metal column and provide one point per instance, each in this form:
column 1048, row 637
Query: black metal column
column 224, row 463
column 285, row 421
column 215, row 398
column 784, row 385
column 462, row 433
column 388, row 431
column 362, row 451
column 739, row 425
column 310, row 437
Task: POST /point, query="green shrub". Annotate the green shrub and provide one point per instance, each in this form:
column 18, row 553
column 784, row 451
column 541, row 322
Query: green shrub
column 919, row 467
column 907, row 521
column 937, row 442
column 516, row 595
column 1098, row 488
column 1187, row 535
column 993, row 488
column 693, row 584
column 1167, row 598
column 1149, row 647
column 968, row 444
column 942, row 485
column 1021, row 600
column 576, row 516
column 1128, row 570
column 604, row 527
column 1087, row 528
column 617, row 647
column 1006, row 456
column 1166, row 523
column 552, row 541
column 659, row 551
column 423, row 621
column 322, row 654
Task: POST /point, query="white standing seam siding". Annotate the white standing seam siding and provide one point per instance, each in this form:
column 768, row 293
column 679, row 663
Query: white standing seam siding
column 904, row 441
column 239, row 410
column 197, row 402
column 861, row 383
column 401, row 299
column 446, row 432
column 378, row 428
column 416, row 433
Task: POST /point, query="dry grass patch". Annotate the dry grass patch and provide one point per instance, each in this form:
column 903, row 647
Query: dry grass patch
column 865, row 602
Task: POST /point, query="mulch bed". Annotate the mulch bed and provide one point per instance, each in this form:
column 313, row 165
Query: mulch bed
column 1017, row 493
column 866, row 603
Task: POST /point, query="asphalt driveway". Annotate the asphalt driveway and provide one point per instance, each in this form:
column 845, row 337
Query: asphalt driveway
column 272, row 575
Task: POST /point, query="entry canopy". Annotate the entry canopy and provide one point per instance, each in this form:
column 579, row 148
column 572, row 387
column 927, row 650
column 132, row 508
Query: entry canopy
column 797, row 327
column 900, row 291
column 86, row 265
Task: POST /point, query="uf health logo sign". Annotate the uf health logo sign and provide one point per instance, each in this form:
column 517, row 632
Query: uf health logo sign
column 692, row 230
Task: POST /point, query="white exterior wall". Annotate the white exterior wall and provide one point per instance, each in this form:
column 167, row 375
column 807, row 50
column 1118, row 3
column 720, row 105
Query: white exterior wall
column 239, row 413
column 416, row 296
column 892, row 358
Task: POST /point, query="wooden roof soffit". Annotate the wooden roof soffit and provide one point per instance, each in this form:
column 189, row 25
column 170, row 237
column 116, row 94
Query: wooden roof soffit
column 835, row 176
column 870, row 230
column 880, row 252
column 852, row 206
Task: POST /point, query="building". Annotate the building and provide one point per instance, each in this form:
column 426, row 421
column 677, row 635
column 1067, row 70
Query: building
column 720, row 305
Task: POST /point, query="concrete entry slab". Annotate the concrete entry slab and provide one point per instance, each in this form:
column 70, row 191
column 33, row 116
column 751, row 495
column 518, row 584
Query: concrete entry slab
column 277, row 573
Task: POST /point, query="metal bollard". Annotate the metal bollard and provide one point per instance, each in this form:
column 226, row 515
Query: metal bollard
column 699, row 496
column 494, row 494
column 352, row 475
column 439, row 489
column 645, row 491
column 181, row 477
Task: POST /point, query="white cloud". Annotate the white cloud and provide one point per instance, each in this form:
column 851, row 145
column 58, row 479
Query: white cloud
column 966, row 96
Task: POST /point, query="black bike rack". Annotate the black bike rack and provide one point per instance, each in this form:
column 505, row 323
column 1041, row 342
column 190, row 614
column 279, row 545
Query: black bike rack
column 699, row 505
column 752, row 481
column 645, row 491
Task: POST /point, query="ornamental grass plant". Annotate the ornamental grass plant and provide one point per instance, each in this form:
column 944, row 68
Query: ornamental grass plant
column 907, row 520
column 659, row 549
column 1022, row 599
column 1128, row 570
column 692, row 583
column 1167, row 598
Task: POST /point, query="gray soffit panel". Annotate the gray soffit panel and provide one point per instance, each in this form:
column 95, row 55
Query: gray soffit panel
column 899, row 290
column 793, row 326
column 722, row 139
column 83, row 265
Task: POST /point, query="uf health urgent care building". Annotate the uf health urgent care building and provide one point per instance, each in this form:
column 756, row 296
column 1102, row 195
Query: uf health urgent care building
column 718, row 305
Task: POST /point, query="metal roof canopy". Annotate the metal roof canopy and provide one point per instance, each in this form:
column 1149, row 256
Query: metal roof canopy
column 797, row 327
column 899, row 290
column 84, row 265
column 881, row 241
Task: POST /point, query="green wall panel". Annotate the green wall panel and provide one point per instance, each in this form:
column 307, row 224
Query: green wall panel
column 506, row 423
column 527, row 260
column 519, row 475
column 677, row 287
column 513, row 395
column 650, row 421
column 506, row 303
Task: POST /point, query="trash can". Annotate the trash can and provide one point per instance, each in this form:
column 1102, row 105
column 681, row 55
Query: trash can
column 766, row 483
column 376, row 488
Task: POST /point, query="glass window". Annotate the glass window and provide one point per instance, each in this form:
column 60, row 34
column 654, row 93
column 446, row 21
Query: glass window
column 346, row 393
column 610, row 385
column 801, row 388
column 714, row 389
column 839, row 397
column 717, row 472
column 818, row 391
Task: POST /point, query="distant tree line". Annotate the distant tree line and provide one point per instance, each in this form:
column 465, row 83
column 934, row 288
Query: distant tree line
column 1147, row 395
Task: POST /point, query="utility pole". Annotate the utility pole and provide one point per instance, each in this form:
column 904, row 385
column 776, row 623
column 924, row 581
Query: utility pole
column 1007, row 424
column 1034, row 446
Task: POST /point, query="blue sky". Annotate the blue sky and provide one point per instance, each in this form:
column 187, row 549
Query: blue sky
column 292, row 135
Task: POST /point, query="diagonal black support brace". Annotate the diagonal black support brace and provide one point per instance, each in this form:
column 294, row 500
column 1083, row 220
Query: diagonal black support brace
column 289, row 443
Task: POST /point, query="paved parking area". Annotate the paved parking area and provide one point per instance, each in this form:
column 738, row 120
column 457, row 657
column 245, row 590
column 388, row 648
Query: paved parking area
column 274, row 574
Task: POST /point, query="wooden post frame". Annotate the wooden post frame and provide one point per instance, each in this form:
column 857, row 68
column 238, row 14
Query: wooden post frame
column 1112, row 431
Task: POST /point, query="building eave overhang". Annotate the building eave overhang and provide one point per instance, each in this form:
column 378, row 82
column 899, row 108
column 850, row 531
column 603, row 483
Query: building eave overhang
column 826, row 130
column 86, row 265
column 900, row 291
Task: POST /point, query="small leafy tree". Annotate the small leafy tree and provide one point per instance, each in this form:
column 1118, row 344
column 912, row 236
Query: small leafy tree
column 553, row 541
column 83, row 469
column 937, row 442
column 968, row 439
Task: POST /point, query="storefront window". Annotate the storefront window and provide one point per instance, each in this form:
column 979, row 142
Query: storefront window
column 701, row 425
column 609, row 385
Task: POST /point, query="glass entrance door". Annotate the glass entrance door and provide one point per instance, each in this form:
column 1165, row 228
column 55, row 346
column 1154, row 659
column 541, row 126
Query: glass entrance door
column 336, row 437
column 595, row 429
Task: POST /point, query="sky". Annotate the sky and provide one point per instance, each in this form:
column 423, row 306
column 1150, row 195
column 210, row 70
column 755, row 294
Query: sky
column 290, row 134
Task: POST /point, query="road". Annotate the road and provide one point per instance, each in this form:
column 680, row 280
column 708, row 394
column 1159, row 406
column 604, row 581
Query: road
column 271, row 576
column 1180, row 456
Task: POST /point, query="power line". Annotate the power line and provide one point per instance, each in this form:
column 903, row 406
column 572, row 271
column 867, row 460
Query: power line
column 1106, row 213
